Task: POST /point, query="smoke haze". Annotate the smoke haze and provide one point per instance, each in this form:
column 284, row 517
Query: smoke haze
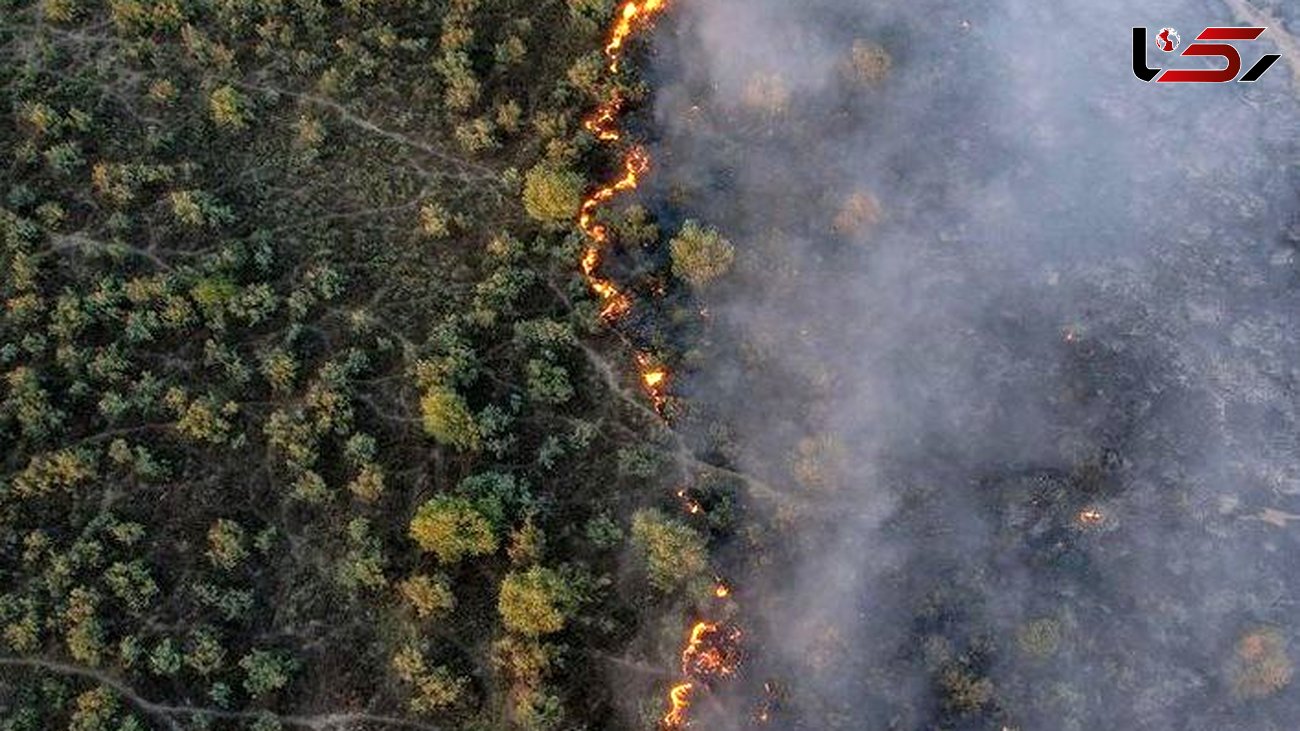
column 1014, row 334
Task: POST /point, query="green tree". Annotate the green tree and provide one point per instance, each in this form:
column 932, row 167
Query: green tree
column 1260, row 666
column 226, row 544
column 428, row 596
column 165, row 659
column 266, row 671
column 433, row 689
column 548, row 383
column 228, row 107
column 94, row 710
column 132, row 583
column 363, row 564
column 85, row 634
column 205, row 654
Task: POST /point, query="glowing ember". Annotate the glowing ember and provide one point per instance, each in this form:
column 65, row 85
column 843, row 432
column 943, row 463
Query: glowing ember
column 763, row 713
column 689, row 503
column 1091, row 516
column 721, row 591
column 712, row 651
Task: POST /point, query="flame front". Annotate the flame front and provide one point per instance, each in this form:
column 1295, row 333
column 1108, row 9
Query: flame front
column 615, row 303
column 631, row 16
column 603, row 122
column 679, row 700
column 711, row 650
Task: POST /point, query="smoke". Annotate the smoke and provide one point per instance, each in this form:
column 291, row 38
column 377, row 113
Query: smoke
column 1016, row 335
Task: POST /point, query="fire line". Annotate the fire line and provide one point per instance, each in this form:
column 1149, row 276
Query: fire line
column 711, row 650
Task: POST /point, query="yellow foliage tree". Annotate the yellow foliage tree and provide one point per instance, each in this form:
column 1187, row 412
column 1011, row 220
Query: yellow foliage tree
column 534, row 602
column 701, row 255
column 447, row 419
column 551, row 194
column 452, row 528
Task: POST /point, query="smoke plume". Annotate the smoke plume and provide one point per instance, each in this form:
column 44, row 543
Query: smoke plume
column 1015, row 336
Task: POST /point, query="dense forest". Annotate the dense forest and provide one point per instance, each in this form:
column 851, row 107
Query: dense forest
column 309, row 420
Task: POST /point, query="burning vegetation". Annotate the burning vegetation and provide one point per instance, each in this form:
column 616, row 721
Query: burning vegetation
column 712, row 650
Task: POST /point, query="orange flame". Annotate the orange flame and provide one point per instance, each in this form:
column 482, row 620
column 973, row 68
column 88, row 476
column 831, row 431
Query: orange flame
column 635, row 163
column 654, row 379
column 712, row 651
column 603, row 122
column 631, row 16
column 679, row 699
column 721, row 591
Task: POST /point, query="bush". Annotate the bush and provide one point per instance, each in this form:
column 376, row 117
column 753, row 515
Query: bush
column 869, row 63
column 1040, row 638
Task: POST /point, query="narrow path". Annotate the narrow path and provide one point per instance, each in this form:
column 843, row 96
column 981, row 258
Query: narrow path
column 167, row 714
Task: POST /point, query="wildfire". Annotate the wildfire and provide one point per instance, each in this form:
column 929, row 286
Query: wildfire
column 763, row 713
column 679, row 699
column 616, row 303
column 603, row 122
column 654, row 379
column 635, row 164
column 631, row 16
column 712, row 650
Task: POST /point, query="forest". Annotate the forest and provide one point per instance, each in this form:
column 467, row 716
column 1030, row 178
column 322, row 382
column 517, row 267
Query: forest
column 309, row 420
